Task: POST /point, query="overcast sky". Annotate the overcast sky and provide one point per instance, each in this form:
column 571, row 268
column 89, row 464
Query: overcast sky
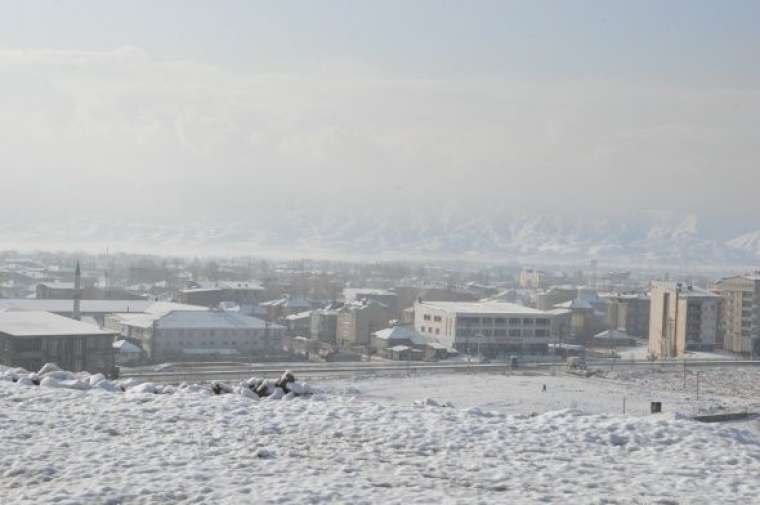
column 181, row 108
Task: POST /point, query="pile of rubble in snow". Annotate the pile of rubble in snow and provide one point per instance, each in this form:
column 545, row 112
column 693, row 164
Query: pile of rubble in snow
column 50, row 375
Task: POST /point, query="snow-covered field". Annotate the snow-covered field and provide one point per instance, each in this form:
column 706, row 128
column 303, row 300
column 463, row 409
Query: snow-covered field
column 366, row 442
column 721, row 389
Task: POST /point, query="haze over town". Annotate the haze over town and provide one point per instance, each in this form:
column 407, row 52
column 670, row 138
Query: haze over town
column 379, row 252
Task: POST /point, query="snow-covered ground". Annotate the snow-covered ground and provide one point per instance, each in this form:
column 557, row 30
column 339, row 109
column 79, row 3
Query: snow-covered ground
column 721, row 389
column 365, row 442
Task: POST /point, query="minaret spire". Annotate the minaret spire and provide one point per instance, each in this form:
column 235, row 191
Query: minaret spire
column 77, row 292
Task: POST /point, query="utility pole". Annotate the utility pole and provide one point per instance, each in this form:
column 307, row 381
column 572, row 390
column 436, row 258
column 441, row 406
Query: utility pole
column 698, row 374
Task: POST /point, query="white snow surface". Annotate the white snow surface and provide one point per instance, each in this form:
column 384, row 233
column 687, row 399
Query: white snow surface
column 71, row 446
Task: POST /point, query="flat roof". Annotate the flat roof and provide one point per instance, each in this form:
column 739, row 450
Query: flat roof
column 40, row 324
column 93, row 306
column 484, row 308
column 212, row 320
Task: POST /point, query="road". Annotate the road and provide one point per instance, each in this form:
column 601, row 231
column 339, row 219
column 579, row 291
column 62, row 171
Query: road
column 213, row 371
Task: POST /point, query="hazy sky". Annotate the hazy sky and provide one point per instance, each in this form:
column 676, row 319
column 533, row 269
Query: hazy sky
column 181, row 108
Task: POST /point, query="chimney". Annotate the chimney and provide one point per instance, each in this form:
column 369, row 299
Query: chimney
column 77, row 292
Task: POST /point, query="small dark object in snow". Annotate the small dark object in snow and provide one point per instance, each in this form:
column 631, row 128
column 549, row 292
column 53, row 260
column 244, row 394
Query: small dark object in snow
column 543, row 388
column 286, row 378
column 220, row 388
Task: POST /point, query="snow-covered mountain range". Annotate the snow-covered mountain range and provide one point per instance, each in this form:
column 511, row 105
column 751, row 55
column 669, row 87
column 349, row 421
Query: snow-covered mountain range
column 646, row 238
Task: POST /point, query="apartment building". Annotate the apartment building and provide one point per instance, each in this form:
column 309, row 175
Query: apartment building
column 489, row 328
column 357, row 321
column 740, row 313
column 629, row 312
column 682, row 317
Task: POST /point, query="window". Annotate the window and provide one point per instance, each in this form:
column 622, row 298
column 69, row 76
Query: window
column 527, row 321
column 500, row 321
column 486, row 332
column 426, row 317
column 437, row 319
column 542, row 322
column 437, row 331
column 514, row 333
column 540, row 333
column 487, row 321
column 499, row 332
column 422, row 329
column 514, row 320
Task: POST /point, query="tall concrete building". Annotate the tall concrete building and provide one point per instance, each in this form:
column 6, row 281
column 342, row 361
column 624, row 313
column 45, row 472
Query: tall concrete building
column 740, row 313
column 682, row 318
column 357, row 321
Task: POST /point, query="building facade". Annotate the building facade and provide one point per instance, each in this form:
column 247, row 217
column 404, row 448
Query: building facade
column 682, row 318
column 489, row 328
column 357, row 321
column 628, row 312
column 31, row 339
column 186, row 335
column 740, row 313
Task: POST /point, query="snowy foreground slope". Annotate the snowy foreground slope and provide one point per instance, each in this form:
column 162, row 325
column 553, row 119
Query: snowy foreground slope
column 98, row 447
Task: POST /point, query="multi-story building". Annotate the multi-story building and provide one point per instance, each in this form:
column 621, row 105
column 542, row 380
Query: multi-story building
column 357, row 321
column 29, row 339
column 243, row 293
column 196, row 334
column 324, row 323
column 299, row 325
column 629, row 312
column 682, row 317
column 489, row 328
column 740, row 313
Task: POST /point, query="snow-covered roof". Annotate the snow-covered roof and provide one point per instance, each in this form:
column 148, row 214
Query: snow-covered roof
column 57, row 285
column 576, row 304
column 288, row 301
column 126, row 347
column 212, row 320
column 215, row 286
column 86, row 306
column 300, row 315
column 39, row 324
column 400, row 348
column 484, row 308
column 396, row 333
column 161, row 308
column 616, row 334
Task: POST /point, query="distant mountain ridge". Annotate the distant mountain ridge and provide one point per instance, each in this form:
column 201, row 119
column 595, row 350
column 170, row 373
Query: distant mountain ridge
column 644, row 238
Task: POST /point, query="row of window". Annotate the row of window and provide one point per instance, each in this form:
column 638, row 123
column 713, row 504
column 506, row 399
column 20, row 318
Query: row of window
column 429, row 329
column 501, row 321
column 500, row 332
